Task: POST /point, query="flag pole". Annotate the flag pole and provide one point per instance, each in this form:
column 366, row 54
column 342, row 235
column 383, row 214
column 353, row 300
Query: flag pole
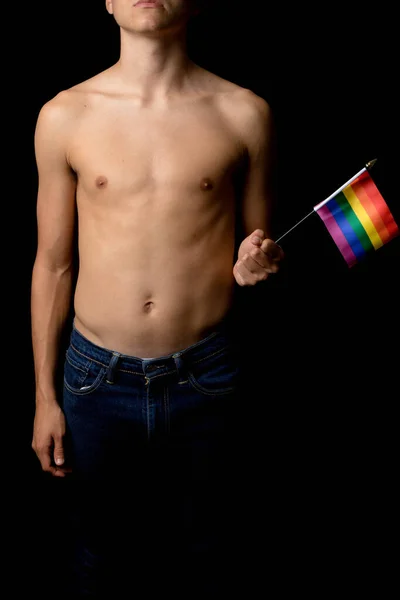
column 368, row 166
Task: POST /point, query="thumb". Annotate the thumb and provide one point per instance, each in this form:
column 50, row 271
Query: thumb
column 257, row 237
column 273, row 249
column 58, row 454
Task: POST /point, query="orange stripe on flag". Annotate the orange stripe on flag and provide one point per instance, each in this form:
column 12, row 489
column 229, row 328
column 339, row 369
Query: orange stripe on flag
column 376, row 207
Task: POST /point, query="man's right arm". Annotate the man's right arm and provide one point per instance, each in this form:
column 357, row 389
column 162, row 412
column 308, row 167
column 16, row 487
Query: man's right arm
column 52, row 277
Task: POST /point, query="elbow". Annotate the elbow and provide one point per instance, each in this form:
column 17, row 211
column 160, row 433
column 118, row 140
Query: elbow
column 53, row 265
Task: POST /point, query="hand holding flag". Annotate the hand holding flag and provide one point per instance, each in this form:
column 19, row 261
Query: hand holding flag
column 258, row 257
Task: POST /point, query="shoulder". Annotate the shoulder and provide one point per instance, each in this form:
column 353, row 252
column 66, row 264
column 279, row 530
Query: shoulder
column 58, row 113
column 247, row 105
column 249, row 115
column 63, row 109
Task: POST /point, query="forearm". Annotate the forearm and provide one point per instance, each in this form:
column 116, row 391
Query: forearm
column 51, row 294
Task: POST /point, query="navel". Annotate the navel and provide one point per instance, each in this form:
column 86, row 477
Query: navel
column 101, row 181
column 148, row 306
column 206, row 184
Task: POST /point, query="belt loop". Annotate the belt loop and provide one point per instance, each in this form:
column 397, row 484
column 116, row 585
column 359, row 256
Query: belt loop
column 112, row 366
column 179, row 363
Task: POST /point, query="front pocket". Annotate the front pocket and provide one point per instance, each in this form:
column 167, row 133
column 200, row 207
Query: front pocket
column 215, row 375
column 82, row 377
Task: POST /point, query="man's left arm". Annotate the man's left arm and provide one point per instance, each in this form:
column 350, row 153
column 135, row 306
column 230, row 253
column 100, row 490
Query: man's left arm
column 258, row 254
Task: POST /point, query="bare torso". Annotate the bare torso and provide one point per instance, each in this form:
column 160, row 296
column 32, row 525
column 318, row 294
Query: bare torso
column 156, row 211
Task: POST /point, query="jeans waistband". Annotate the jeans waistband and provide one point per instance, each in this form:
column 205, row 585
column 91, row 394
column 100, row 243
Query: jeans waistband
column 216, row 341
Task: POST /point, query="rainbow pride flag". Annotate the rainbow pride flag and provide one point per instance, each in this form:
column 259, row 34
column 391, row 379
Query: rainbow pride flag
column 358, row 218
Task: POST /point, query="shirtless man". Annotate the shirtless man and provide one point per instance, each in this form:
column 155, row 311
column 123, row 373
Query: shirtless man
column 153, row 158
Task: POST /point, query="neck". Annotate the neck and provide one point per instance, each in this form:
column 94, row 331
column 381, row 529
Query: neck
column 154, row 67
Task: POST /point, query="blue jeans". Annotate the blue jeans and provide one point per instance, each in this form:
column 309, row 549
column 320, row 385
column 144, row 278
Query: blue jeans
column 153, row 445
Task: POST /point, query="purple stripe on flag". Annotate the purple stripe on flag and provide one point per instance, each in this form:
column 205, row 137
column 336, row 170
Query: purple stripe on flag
column 337, row 235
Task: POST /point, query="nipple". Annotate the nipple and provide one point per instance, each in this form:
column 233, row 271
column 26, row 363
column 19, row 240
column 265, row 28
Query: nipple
column 101, row 181
column 206, row 184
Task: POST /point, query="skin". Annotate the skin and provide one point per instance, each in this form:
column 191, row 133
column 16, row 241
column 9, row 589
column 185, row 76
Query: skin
column 149, row 157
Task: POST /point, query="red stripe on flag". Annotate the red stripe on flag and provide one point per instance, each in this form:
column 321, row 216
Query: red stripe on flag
column 376, row 207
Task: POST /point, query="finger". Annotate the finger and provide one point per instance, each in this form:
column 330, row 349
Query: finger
column 61, row 471
column 57, row 471
column 58, row 453
column 259, row 232
column 238, row 276
column 257, row 237
column 239, row 272
column 251, row 271
column 46, row 462
column 272, row 250
column 261, row 259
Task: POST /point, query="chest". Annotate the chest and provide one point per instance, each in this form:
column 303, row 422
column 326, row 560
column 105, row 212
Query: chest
column 131, row 152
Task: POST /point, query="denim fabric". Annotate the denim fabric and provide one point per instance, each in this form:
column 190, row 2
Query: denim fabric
column 153, row 445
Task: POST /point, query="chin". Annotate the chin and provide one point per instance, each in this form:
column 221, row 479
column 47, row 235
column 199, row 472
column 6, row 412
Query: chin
column 157, row 27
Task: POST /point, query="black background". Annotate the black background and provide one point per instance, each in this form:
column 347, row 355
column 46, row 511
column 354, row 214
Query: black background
column 323, row 337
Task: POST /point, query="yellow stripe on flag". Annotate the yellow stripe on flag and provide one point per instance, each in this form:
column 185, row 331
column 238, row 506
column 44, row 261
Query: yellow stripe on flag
column 363, row 217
